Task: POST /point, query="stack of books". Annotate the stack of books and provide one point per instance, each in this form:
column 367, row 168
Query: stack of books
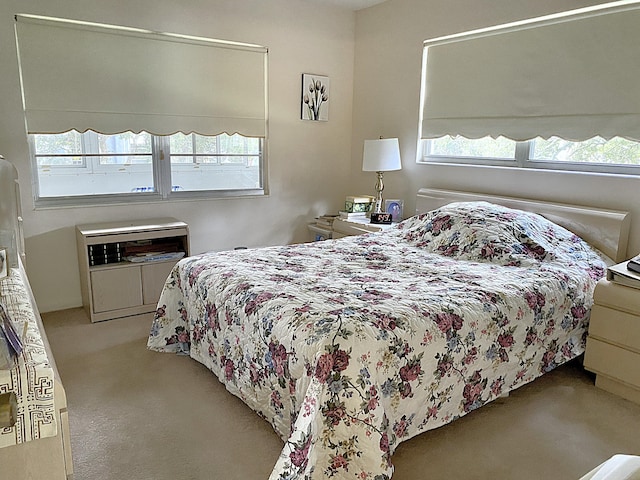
column 344, row 214
column 360, row 204
column 626, row 273
column 105, row 253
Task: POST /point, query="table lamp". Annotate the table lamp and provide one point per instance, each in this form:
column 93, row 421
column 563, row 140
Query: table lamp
column 380, row 156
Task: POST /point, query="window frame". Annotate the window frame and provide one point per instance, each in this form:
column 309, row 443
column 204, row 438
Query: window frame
column 522, row 159
column 161, row 175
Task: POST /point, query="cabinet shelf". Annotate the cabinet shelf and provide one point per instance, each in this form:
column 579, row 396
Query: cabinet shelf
column 113, row 287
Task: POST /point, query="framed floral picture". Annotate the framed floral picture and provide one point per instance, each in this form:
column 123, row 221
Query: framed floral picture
column 315, row 97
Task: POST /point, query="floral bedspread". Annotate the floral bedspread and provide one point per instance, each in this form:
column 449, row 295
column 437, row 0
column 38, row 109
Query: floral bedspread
column 349, row 347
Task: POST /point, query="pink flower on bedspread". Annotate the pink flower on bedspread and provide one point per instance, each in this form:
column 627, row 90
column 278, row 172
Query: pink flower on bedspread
column 182, row 335
column 324, row 367
column 410, row 372
column 596, row 272
column 257, row 302
column 470, row 357
column 299, row 456
column 439, row 224
column 228, row 367
column 449, row 250
column 473, row 392
column 373, row 400
column 496, row 386
column 579, row 312
column 194, row 272
column 333, row 413
column 505, row 340
column 535, row 300
column 548, row 359
column 338, row 461
column 212, row 317
column 384, row 443
column 536, row 251
column 331, row 362
column 384, row 321
column 340, row 360
column 489, row 250
column 400, row 427
column 276, row 359
column 449, row 323
column 445, row 364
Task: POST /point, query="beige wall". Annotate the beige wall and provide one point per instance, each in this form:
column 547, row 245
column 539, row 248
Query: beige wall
column 388, row 59
column 311, row 165
column 308, row 161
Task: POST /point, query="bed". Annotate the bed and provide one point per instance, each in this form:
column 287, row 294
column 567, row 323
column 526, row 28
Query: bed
column 349, row 347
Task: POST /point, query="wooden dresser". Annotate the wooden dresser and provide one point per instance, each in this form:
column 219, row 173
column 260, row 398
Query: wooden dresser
column 34, row 438
column 613, row 345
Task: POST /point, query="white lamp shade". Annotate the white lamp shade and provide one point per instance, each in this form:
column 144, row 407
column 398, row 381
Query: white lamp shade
column 381, row 155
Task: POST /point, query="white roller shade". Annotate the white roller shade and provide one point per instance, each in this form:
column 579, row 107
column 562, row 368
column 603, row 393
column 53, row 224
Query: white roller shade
column 113, row 79
column 576, row 76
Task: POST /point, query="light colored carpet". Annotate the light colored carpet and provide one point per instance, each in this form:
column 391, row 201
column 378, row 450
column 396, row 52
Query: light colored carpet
column 136, row 414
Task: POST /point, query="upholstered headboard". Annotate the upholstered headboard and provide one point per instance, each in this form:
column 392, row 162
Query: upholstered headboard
column 607, row 230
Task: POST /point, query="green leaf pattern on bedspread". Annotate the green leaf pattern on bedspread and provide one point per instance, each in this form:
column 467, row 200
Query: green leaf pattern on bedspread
column 349, row 347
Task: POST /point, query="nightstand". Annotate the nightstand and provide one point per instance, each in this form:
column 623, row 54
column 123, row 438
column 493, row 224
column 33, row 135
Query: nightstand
column 320, row 233
column 613, row 345
column 343, row 227
column 113, row 287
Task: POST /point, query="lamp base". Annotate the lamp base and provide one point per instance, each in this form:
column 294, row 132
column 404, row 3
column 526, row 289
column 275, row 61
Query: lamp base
column 379, row 187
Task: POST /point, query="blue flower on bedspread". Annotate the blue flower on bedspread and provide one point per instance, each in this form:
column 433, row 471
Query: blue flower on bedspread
column 349, row 347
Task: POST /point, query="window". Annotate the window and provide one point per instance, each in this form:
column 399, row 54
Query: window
column 76, row 167
column 617, row 155
column 170, row 82
column 573, row 85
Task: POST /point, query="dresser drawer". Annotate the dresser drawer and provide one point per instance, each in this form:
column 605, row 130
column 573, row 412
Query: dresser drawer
column 615, row 326
column 612, row 361
column 614, row 295
column 353, row 227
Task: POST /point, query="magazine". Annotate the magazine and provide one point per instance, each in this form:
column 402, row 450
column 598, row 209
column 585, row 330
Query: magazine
column 9, row 332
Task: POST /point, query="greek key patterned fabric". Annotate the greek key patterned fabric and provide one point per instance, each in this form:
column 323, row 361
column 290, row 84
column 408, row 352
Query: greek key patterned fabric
column 31, row 377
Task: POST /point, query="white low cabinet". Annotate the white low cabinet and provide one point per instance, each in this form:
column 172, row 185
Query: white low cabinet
column 113, row 287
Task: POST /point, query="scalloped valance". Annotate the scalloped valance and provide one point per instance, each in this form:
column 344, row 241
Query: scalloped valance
column 110, row 79
column 573, row 75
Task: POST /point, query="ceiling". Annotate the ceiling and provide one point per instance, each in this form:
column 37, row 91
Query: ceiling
column 351, row 4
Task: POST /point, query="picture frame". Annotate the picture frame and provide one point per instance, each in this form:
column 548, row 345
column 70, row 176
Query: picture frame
column 395, row 208
column 4, row 263
column 314, row 97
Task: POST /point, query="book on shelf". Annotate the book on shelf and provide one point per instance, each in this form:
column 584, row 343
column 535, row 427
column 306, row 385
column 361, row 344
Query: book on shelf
column 360, row 199
column 624, row 276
